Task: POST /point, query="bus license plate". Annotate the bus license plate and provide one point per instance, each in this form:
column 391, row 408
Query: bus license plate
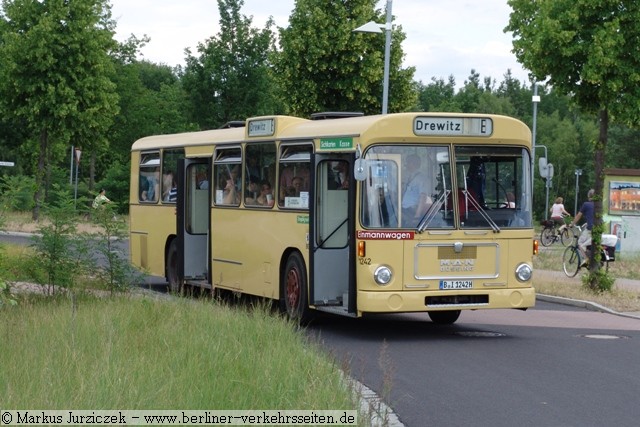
column 456, row 284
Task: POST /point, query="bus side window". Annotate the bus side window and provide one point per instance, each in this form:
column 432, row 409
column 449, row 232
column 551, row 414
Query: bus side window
column 294, row 176
column 149, row 178
column 260, row 160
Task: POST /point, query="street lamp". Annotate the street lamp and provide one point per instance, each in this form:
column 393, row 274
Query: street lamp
column 535, row 99
column 578, row 173
column 373, row 27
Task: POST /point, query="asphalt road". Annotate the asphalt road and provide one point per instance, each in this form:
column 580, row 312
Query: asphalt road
column 554, row 365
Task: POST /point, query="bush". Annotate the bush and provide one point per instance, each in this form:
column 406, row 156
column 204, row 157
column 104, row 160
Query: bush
column 17, row 192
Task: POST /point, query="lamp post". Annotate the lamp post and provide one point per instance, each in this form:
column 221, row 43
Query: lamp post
column 535, row 99
column 578, row 173
column 372, row 27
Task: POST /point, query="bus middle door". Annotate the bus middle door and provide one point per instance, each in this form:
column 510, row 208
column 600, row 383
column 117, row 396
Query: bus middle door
column 193, row 217
column 332, row 287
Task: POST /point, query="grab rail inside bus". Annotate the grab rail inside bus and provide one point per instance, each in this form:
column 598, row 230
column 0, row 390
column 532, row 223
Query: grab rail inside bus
column 323, row 241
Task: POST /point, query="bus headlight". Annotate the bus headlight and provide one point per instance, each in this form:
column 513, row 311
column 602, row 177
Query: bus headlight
column 524, row 272
column 382, row 275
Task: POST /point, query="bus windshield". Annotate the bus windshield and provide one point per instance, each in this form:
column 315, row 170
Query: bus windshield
column 444, row 187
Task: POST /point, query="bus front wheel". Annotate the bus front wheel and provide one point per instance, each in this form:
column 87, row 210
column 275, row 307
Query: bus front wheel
column 444, row 317
column 294, row 289
column 172, row 268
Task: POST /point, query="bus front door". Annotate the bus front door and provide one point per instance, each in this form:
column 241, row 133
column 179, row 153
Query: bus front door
column 193, row 212
column 332, row 287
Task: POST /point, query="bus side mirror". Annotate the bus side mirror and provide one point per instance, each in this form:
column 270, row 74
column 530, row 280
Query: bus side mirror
column 360, row 169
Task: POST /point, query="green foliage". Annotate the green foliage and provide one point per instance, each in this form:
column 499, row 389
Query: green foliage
column 56, row 75
column 5, row 294
column 152, row 101
column 116, row 273
column 231, row 78
column 116, row 182
column 324, row 66
column 61, row 254
column 586, row 48
column 17, row 192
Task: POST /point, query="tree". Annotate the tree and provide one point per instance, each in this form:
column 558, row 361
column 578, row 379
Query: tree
column 56, row 75
column 324, row 66
column 438, row 95
column 587, row 49
column 231, row 79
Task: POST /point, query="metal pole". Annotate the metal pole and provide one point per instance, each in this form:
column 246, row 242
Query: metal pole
column 575, row 207
column 75, row 195
column 535, row 99
column 387, row 54
column 546, row 200
column 71, row 166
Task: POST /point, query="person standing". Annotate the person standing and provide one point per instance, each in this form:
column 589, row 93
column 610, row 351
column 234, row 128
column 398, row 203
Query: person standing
column 587, row 210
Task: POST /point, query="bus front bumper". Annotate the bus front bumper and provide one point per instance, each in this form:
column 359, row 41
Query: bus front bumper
column 420, row 301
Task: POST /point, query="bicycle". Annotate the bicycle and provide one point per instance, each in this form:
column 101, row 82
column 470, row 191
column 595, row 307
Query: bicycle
column 551, row 234
column 572, row 258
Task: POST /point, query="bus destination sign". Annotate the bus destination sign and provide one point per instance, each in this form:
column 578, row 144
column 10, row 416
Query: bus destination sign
column 336, row 143
column 262, row 127
column 453, row 126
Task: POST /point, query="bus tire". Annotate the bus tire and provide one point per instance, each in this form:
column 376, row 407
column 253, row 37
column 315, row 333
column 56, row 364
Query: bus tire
column 444, row 317
column 294, row 289
column 175, row 284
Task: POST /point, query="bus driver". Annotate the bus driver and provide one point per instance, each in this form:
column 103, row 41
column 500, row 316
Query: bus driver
column 415, row 200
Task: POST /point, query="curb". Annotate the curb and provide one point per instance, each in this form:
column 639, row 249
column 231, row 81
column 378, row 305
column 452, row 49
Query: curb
column 584, row 304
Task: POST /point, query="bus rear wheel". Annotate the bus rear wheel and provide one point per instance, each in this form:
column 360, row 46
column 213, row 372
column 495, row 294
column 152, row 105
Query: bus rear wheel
column 444, row 317
column 294, row 289
column 175, row 284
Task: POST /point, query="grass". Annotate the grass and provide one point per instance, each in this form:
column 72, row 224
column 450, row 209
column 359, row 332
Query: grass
column 22, row 222
column 624, row 267
column 138, row 353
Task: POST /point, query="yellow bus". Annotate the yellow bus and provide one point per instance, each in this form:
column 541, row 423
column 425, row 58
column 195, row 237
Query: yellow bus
column 342, row 213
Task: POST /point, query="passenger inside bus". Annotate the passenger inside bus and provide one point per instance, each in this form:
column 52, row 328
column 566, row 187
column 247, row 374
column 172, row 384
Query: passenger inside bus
column 230, row 194
column 340, row 179
column 151, row 191
column 476, row 180
column 266, row 196
column 251, row 191
column 297, row 183
column 202, row 182
column 167, row 181
column 510, row 201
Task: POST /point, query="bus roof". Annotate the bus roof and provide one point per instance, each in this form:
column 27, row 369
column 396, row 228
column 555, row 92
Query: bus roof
column 388, row 126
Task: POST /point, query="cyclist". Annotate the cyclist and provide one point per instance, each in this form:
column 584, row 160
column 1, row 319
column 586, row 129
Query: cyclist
column 587, row 210
column 558, row 213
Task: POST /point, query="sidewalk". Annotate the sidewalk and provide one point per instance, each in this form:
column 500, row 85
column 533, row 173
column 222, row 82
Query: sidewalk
column 620, row 283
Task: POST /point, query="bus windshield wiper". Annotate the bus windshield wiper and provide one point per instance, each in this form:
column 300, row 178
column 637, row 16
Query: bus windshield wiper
column 432, row 211
column 473, row 202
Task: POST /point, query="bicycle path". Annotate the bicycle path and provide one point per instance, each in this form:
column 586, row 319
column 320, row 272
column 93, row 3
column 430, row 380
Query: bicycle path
column 559, row 276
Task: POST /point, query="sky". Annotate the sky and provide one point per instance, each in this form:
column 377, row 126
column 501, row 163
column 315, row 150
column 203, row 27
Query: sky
column 443, row 37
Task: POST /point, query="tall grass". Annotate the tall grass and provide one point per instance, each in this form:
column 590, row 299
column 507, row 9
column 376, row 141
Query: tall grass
column 127, row 353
